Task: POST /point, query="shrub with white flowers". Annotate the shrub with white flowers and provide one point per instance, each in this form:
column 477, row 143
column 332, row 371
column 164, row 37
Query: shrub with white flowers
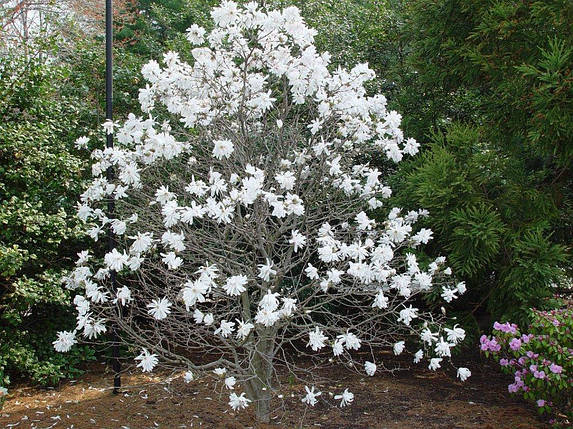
column 244, row 239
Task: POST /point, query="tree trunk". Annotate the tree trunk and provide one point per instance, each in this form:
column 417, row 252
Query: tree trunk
column 259, row 387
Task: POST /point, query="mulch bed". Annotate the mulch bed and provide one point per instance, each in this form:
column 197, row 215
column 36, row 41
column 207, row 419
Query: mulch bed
column 417, row 398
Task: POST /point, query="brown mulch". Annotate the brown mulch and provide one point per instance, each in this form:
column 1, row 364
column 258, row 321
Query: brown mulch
column 408, row 399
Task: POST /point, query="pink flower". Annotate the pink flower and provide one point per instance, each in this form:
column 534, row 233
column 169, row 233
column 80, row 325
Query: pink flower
column 540, row 402
column 539, row 374
column 503, row 362
column 515, row 344
column 556, row 369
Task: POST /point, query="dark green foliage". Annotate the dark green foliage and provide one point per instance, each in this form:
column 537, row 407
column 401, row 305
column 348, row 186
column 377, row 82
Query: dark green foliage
column 496, row 172
column 40, row 180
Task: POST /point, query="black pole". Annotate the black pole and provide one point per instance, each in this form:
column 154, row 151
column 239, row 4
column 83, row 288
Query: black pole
column 110, row 174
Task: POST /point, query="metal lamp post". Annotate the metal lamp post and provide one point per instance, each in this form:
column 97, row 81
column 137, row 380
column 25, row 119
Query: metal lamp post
column 110, row 173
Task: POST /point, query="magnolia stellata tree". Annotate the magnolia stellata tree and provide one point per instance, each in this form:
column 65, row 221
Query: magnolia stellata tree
column 244, row 240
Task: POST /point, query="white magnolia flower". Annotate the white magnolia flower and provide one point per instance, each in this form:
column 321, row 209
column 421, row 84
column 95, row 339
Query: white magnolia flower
column 286, row 180
column 316, row 339
column 455, row 335
column 196, row 34
column 208, row 319
column 220, row 371
column 244, row 329
column 345, row 398
column 311, row 396
column 449, row 294
column 269, row 301
column 159, row 308
column 238, row 402
column 418, row 356
column 123, row 296
column 65, row 341
column 443, row 348
column 434, row 363
column 311, row 272
column 298, row 240
column 82, row 142
column 428, row 336
column 147, row 361
column 380, row 301
column 172, row 260
column 338, row 348
column 266, row 317
column 230, row 382
column 223, row 148
column 266, row 270
column 83, row 257
column 142, row 242
column 370, row 368
column 407, row 315
column 225, row 329
column 188, row 377
column 115, row 260
column 235, row 285
column 399, row 347
column 350, row 341
column 364, row 222
column 464, row 373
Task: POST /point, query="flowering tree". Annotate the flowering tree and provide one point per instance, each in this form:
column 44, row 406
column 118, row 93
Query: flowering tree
column 243, row 235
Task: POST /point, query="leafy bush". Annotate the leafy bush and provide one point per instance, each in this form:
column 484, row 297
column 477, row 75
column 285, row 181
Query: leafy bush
column 541, row 359
column 40, row 178
column 493, row 227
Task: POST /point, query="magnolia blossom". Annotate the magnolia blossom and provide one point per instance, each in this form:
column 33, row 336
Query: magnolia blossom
column 159, row 309
column 464, row 373
column 238, row 402
column 370, row 368
column 223, row 148
column 225, row 329
column 316, row 339
column 65, row 341
column 235, row 285
column 82, row 142
column 123, row 296
column 399, row 347
column 188, row 377
column 434, row 363
column 345, row 398
column 455, row 335
column 266, row 271
column 311, row 395
column 442, row 348
column 298, row 240
column 230, row 382
column 244, row 329
column 220, row 371
column 147, row 361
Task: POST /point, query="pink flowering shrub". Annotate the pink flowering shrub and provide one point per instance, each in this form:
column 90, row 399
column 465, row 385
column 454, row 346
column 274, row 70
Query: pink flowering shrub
column 541, row 360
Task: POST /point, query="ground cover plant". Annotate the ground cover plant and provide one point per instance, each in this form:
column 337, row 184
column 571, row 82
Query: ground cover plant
column 242, row 227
